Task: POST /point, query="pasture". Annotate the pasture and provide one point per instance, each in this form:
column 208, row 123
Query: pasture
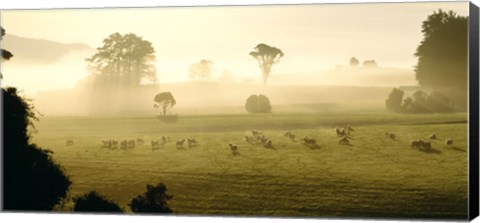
column 373, row 177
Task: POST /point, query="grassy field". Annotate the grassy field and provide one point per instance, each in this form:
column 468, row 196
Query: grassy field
column 374, row 177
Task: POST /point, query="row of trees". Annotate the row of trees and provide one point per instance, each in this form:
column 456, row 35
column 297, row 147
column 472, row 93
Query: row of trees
column 419, row 102
column 125, row 60
column 354, row 62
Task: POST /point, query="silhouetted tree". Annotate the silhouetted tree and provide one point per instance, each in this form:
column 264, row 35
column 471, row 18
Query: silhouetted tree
column 266, row 56
column 354, row 62
column 394, row 101
column 164, row 101
column 31, row 179
column 258, row 104
column 370, row 64
column 442, row 55
column 200, row 70
column 123, row 60
column 93, row 202
column 6, row 55
column 154, row 200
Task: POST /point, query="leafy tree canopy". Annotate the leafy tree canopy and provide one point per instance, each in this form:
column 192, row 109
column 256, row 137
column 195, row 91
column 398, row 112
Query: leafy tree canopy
column 165, row 101
column 442, row 55
column 266, row 56
column 123, row 60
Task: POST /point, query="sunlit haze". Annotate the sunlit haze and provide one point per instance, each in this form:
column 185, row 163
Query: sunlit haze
column 314, row 38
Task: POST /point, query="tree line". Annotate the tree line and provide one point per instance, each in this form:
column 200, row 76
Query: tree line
column 441, row 66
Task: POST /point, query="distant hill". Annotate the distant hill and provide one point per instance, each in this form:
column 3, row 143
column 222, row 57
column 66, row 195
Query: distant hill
column 40, row 51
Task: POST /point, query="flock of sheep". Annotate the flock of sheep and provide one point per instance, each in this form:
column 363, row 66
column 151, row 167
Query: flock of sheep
column 155, row 144
column 257, row 138
column 427, row 145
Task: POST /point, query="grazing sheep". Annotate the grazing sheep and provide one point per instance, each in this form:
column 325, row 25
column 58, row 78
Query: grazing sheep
column 292, row 138
column 155, row 145
column 390, row 135
column 448, row 142
column 123, row 144
column 69, row 142
column 344, row 141
column 249, row 140
column 268, row 144
column 179, row 144
column 233, row 146
column 416, row 144
column 140, row 141
column 131, row 144
column 427, row 145
column 433, row 136
column 106, row 143
column 307, row 140
column 289, row 135
column 264, row 140
column 192, row 142
column 340, row 132
column 256, row 133
column 234, row 149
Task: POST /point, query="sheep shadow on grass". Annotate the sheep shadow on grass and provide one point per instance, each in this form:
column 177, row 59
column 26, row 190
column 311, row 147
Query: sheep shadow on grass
column 457, row 149
column 431, row 150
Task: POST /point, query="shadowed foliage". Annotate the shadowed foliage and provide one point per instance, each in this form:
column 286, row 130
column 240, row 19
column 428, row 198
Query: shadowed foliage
column 94, row 202
column 154, row 200
column 394, row 101
column 266, row 56
column 32, row 180
column 258, row 104
column 442, row 56
column 419, row 102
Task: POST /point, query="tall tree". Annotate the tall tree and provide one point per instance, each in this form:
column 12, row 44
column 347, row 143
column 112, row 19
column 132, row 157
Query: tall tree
column 442, row 55
column 164, row 101
column 266, row 56
column 200, row 70
column 123, row 60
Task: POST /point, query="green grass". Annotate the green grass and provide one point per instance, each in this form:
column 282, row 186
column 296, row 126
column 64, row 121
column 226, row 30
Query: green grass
column 375, row 177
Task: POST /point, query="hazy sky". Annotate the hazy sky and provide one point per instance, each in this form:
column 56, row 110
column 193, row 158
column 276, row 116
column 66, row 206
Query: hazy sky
column 313, row 37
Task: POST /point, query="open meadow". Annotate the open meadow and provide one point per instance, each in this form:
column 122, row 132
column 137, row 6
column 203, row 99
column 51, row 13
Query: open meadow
column 374, row 176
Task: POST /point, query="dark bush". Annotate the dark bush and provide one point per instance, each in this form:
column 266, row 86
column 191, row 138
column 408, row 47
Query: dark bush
column 154, row 200
column 258, row 104
column 93, row 202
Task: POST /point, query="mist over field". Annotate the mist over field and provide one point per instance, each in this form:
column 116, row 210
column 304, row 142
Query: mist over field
column 335, row 110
